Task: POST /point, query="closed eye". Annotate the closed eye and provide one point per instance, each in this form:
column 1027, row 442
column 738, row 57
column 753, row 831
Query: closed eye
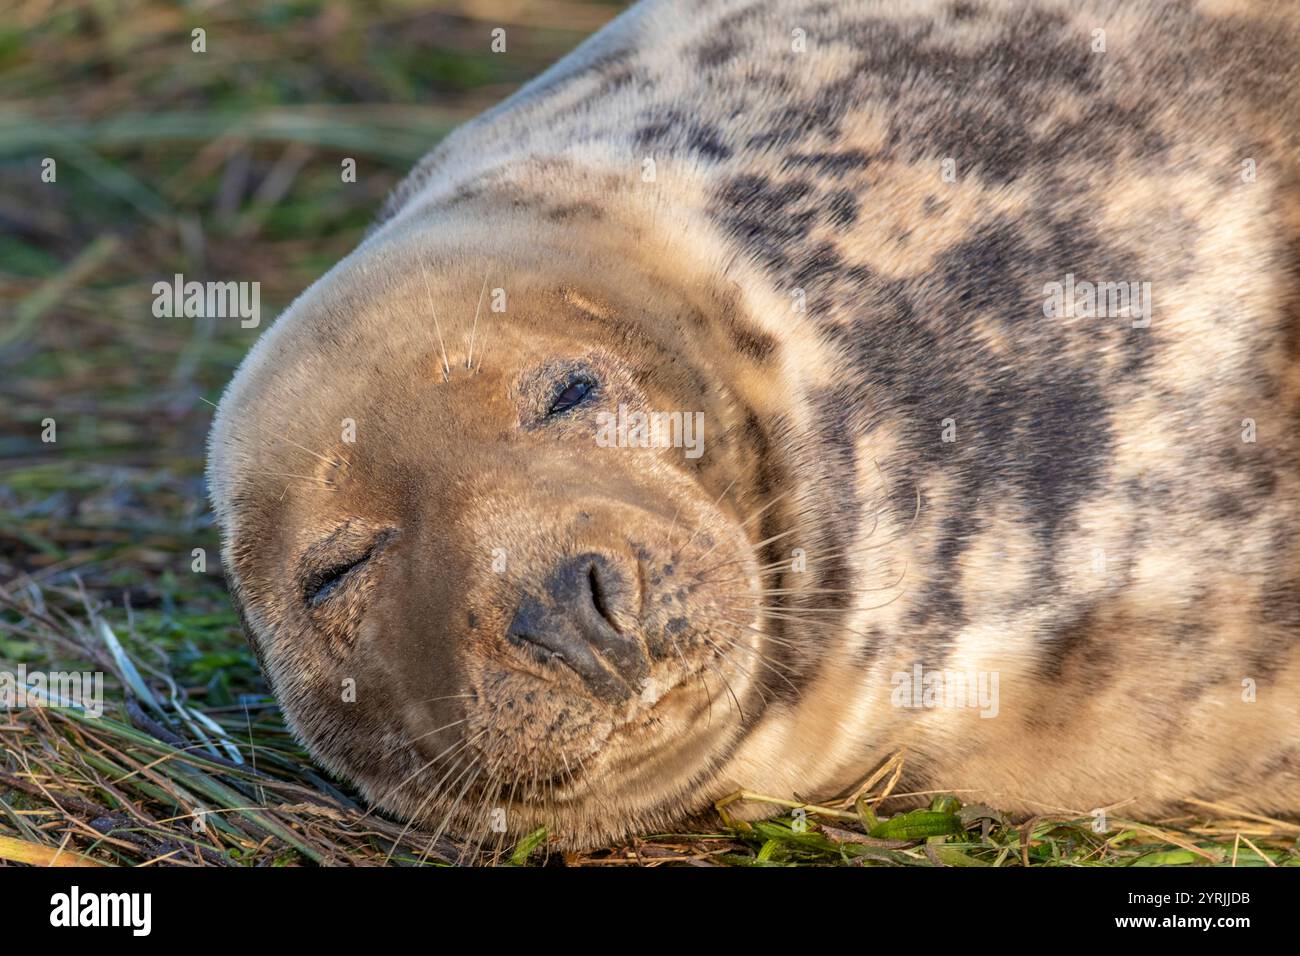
column 573, row 394
column 322, row 584
column 328, row 574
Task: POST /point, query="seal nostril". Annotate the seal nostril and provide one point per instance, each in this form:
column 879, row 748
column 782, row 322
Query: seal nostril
column 572, row 621
column 598, row 597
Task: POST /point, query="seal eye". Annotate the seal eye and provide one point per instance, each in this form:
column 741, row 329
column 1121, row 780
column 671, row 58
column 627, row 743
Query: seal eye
column 572, row 395
column 334, row 566
column 324, row 583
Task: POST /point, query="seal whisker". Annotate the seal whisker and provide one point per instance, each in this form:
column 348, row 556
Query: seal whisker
column 844, row 552
column 284, row 474
column 510, row 801
column 727, row 683
column 781, row 641
column 808, row 560
column 430, row 700
column 289, row 441
column 446, row 753
column 668, row 538
column 754, row 548
column 413, row 817
column 799, row 609
column 715, row 505
column 430, row 733
column 708, row 694
column 786, row 642
column 872, row 590
column 468, row 773
column 829, row 625
column 428, row 292
column 773, row 569
column 735, row 644
column 480, row 814
column 489, row 792
column 469, row 355
column 564, row 759
column 550, row 810
column 746, row 521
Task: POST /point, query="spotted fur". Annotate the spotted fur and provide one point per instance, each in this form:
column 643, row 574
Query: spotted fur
column 847, row 248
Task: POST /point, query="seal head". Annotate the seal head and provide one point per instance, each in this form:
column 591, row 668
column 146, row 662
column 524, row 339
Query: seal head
column 466, row 600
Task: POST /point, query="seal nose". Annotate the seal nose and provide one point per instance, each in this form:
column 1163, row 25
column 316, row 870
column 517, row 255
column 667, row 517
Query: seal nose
column 576, row 619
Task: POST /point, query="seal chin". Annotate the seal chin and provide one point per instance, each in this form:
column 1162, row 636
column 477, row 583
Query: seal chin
column 644, row 770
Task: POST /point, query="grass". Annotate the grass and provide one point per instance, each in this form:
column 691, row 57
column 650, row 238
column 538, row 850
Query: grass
column 226, row 165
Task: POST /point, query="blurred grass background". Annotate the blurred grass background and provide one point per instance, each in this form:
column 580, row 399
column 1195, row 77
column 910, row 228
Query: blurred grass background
column 225, row 165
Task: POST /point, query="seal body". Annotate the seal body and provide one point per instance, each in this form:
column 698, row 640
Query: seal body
column 990, row 313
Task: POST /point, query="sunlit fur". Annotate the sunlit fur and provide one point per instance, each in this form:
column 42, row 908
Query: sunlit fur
column 1098, row 533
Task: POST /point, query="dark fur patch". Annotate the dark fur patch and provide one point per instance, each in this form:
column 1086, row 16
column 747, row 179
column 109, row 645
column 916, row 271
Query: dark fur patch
column 565, row 212
column 750, row 342
column 768, row 218
column 833, row 164
column 843, row 208
column 675, row 130
column 718, row 52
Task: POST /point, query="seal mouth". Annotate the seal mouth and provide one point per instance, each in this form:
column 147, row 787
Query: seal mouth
column 625, row 750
